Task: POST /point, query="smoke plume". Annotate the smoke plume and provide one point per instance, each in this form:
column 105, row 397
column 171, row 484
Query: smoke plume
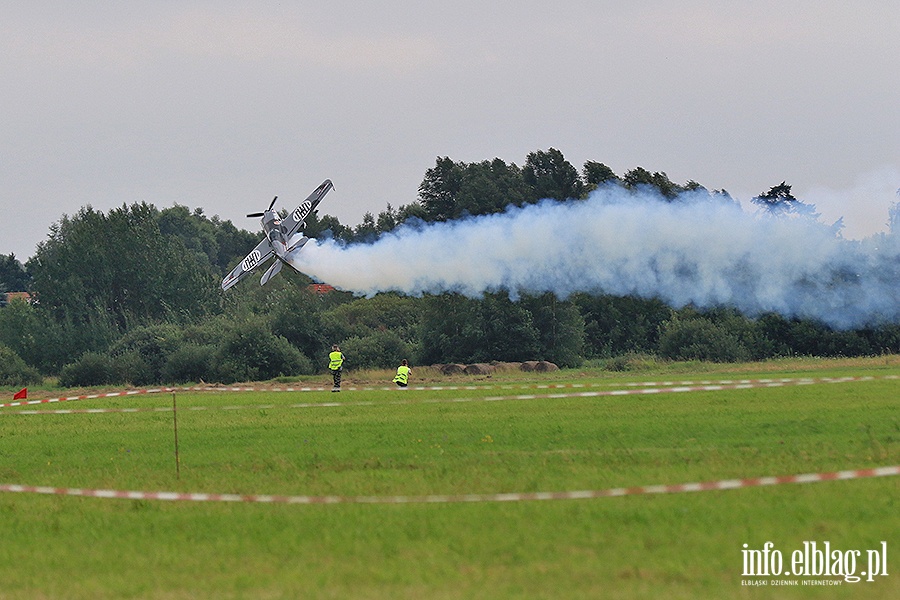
column 697, row 250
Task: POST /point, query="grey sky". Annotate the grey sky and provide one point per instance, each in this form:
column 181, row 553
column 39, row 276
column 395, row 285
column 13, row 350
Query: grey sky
column 222, row 105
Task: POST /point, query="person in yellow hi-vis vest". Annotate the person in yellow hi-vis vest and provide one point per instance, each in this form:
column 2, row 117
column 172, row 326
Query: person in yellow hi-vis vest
column 403, row 371
column 336, row 365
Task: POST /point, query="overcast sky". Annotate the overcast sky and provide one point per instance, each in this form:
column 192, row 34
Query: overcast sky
column 223, row 105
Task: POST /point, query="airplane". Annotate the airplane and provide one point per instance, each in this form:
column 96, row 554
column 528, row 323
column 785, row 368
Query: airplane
column 282, row 238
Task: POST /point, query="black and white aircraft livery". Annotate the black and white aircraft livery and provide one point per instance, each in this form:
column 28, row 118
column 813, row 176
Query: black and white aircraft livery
column 282, row 237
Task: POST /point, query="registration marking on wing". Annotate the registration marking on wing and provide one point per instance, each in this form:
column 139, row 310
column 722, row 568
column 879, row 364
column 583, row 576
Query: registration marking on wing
column 302, row 211
column 252, row 260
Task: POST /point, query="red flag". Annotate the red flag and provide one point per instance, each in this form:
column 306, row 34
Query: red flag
column 21, row 394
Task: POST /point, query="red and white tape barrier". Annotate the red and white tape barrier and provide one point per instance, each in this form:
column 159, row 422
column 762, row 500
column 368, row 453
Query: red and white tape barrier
column 86, row 397
column 635, row 389
column 725, row 484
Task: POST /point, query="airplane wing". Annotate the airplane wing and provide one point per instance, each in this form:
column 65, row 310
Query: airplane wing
column 294, row 221
column 257, row 256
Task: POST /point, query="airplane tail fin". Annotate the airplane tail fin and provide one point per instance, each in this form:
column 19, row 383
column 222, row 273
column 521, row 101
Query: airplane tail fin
column 271, row 272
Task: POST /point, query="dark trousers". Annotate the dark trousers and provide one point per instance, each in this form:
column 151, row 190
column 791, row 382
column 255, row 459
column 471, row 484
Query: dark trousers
column 336, row 374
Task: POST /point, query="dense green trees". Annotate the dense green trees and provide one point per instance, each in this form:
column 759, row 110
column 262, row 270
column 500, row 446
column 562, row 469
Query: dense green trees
column 452, row 190
column 121, row 265
column 549, row 175
column 638, row 177
column 560, row 327
column 133, row 296
column 456, row 329
column 13, row 276
column 595, row 174
column 620, row 325
column 779, row 201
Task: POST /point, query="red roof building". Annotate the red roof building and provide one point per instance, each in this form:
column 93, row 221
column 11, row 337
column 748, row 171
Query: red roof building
column 10, row 296
column 320, row 288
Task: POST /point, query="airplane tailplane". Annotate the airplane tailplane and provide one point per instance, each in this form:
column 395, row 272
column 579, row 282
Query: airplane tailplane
column 271, row 272
column 296, row 244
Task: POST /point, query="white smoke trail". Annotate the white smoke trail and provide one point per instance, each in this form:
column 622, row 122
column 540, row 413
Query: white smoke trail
column 693, row 251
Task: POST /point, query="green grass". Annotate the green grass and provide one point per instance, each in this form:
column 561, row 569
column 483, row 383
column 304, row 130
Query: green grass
column 675, row 546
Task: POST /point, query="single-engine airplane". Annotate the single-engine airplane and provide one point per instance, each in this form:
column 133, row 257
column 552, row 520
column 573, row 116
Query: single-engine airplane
column 282, row 237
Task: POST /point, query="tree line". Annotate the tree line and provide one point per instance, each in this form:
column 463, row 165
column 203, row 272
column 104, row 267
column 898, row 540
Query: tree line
column 133, row 296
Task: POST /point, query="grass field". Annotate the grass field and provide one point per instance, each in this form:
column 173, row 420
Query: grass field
column 384, row 442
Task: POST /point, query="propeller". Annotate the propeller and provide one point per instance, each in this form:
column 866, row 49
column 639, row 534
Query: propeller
column 268, row 209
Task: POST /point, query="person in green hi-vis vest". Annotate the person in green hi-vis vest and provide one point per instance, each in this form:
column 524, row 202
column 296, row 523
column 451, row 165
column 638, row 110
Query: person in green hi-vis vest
column 403, row 371
column 336, row 365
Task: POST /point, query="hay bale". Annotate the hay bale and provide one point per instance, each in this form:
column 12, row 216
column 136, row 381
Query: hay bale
column 529, row 365
column 451, row 369
column 506, row 366
column 479, row 369
column 544, row 366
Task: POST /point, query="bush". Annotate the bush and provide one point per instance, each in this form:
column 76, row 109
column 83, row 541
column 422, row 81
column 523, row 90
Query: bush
column 250, row 352
column 380, row 350
column 699, row 339
column 191, row 362
column 142, row 353
column 301, row 325
column 365, row 316
column 92, row 368
column 617, row 363
column 134, row 368
column 14, row 371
